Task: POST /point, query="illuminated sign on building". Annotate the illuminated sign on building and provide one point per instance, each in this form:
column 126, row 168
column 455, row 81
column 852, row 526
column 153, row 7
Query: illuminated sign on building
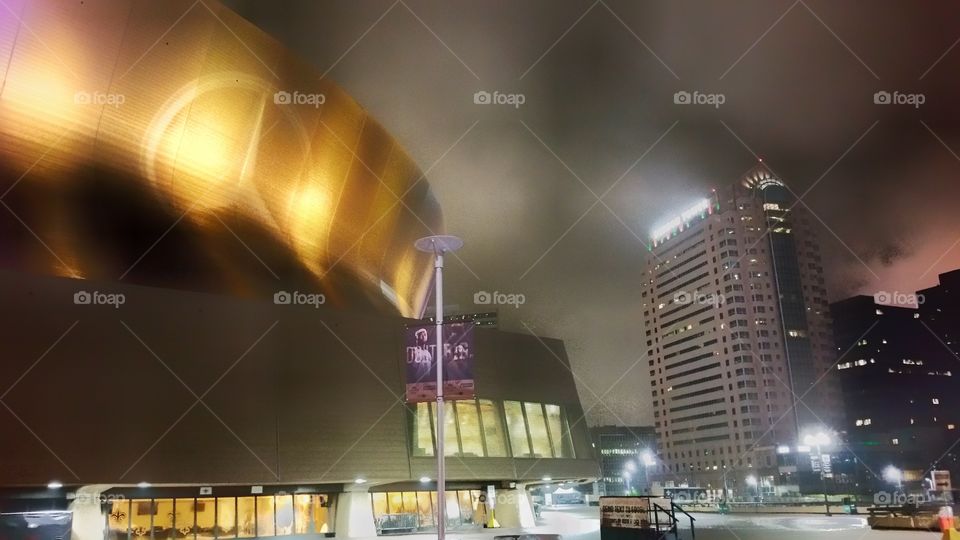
column 681, row 221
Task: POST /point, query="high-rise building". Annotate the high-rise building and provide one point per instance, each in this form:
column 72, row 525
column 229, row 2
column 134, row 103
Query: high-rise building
column 900, row 389
column 940, row 309
column 625, row 454
column 738, row 335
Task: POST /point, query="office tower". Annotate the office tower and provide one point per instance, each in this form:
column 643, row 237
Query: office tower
column 738, row 335
column 625, row 454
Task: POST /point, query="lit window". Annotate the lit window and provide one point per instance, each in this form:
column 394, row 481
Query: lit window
column 895, row 441
column 935, row 401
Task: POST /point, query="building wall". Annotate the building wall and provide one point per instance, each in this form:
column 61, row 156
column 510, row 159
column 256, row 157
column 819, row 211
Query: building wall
column 289, row 393
column 724, row 382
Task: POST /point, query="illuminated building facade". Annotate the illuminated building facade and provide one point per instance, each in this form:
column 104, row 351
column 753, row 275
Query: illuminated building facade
column 171, row 155
column 625, row 454
column 737, row 332
column 900, row 386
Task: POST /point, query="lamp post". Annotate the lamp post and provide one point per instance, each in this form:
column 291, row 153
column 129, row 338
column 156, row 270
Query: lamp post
column 438, row 245
column 752, row 482
column 820, row 439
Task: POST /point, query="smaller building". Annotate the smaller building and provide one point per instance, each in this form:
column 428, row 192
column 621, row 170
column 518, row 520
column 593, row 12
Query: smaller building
column 900, row 388
column 625, row 453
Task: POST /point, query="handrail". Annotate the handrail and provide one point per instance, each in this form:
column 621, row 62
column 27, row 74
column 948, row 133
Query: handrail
column 675, row 507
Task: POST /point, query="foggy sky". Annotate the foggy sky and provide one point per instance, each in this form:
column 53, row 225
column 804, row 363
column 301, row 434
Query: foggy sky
column 798, row 79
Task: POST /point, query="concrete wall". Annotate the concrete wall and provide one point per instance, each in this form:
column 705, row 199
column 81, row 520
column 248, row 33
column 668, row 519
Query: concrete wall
column 104, row 395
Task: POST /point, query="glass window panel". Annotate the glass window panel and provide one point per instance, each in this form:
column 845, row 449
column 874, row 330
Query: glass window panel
column 118, row 520
column 423, row 431
column 246, row 517
column 517, row 429
column 492, row 429
column 163, row 519
column 284, row 511
column 469, row 420
column 410, row 504
column 185, row 516
column 141, row 513
column 451, row 448
column 436, row 508
column 206, row 511
column 425, row 509
column 265, row 516
column 466, row 507
column 395, row 500
column 538, row 430
column 227, row 517
column 380, row 508
column 453, row 509
column 322, row 512
column 559, row 433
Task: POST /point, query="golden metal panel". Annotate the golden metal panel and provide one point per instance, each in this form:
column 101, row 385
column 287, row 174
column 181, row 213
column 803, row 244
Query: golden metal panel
column 158, row 148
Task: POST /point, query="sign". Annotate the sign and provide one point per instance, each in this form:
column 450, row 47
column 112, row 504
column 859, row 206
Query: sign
column 941, row 480
column 624, row 512
column 420, row 362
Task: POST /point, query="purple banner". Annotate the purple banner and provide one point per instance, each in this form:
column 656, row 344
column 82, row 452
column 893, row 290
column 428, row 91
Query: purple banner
column 421, row 368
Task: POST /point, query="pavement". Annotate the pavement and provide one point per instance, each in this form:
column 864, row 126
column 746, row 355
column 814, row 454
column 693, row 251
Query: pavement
column 583, row 523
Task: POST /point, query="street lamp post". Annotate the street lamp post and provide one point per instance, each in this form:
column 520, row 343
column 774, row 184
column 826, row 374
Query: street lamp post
column 818, row 440
column 438, row 245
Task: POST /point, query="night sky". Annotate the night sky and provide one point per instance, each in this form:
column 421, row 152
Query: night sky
column 520, row 184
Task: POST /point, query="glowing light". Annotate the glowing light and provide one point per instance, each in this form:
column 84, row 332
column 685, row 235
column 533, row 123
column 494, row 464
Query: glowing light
column 702, row 206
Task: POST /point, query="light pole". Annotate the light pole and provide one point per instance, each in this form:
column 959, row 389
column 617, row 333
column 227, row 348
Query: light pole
column 820, row 439
column 752, row 481
column 438, row 245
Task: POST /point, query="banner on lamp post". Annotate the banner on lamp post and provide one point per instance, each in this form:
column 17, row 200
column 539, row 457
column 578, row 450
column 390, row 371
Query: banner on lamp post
column 421, row 362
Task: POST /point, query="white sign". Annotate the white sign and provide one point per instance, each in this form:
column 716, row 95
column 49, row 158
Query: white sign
column 624, row 512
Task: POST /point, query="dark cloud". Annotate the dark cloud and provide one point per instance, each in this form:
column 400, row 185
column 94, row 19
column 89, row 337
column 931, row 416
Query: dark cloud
column 799, row 81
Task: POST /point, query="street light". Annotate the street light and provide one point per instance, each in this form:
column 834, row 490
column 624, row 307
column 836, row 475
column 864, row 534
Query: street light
column 820, row 439
column 893, row 475
column 752, row 482
column 438, row 245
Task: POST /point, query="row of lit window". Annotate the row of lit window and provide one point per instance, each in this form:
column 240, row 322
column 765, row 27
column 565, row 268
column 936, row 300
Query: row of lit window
column 475, row 428
column 221, row 517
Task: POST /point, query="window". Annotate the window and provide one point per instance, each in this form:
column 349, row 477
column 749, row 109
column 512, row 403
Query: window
column 118, row 520
column 559, row 432
column 246, row 517
column 284, row 514
column 265, row 518
column 538, row 430
column 468, row 422
column 227, row 516
column 206, row 511
column 163, row 519
column 517, row 427
column 492, row 429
